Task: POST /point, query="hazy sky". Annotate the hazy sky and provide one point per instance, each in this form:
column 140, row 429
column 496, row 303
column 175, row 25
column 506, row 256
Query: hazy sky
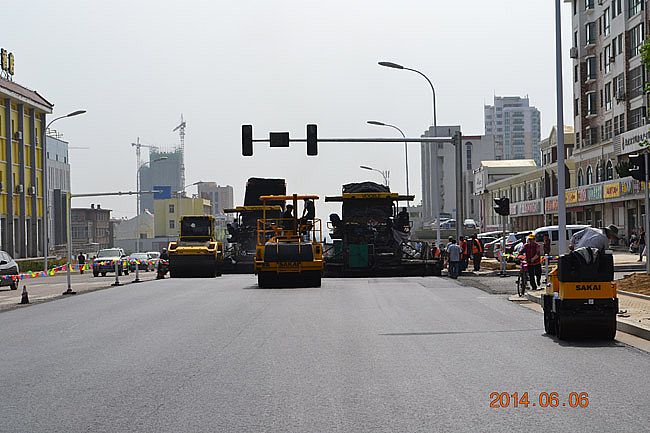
column 137, row 65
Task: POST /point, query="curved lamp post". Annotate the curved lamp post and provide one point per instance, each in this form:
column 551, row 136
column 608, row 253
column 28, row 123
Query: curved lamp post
column 46, row 213
column 385, row 174
column 406, row 150
column 436, row 195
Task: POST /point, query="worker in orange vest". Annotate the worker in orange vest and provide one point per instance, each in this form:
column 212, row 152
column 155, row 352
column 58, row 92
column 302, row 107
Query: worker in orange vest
column 477, row 252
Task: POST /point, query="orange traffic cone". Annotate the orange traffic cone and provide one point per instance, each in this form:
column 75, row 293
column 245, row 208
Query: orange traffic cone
column 24, row 298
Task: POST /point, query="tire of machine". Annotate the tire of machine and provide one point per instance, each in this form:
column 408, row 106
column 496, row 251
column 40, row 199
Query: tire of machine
column 609, row 330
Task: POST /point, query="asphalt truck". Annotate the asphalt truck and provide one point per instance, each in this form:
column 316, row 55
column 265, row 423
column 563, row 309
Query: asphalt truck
column 197, row 253
column 373, row 238
column 242, row 231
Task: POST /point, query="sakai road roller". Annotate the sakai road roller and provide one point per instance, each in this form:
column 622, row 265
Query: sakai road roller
column 372, row 238
column 196, row 253
column 581, row 300
column 242, row 240
column 289, row 250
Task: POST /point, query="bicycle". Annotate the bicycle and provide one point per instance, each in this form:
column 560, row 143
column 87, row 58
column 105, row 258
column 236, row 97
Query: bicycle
column 522, row 278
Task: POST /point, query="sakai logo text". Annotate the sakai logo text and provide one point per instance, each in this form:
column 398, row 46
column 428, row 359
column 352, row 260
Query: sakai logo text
column 588, row 287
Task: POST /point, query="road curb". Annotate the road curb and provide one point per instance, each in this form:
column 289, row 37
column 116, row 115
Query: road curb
column 620, row 325
column 635, row 295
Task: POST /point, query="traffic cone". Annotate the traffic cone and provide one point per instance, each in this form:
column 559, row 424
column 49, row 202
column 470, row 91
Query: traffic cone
column 24, row 298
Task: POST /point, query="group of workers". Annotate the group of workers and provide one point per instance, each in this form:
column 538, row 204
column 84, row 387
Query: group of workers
column 459, row 253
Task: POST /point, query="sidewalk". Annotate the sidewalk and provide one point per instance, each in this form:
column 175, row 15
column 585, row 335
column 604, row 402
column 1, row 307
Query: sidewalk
column 49, row 288
column 634, row 312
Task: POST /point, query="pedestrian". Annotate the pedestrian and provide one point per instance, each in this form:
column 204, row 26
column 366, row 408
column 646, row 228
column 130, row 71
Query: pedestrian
column 533, row 253
column 594, row 238
column 477, row 252
column 641, row 244
column 464, row 258
column 547, row 245
column 81, row 259
column 453, row 256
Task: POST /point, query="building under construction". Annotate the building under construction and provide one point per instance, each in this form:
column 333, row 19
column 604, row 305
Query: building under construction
column 165, row 172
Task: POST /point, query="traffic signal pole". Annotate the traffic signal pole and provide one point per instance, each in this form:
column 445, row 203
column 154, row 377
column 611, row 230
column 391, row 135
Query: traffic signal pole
column 503, row 247
column 647, row 206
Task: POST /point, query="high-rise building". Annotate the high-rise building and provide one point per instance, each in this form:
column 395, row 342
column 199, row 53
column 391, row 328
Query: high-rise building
column 515, row 128
column 475, row 148
column 22, row 158
column 58, row 186
column 165, row 172
column 221, row 197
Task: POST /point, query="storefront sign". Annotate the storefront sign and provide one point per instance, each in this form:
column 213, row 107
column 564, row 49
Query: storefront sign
column 629, row 187
column 479, row 182
column 612, row 190
column 631, row 141
column 571, row 196
column 7, row 62
column 594, row 192
column 551, row 204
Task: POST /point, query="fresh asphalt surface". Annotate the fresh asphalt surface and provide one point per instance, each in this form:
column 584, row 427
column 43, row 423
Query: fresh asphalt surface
column 357, row 355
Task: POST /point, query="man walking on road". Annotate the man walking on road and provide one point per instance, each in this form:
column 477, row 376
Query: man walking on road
column 453, row 256
column 477, row 252
column 533, row 253
column 81, row 259
column 464, row 258
column 641, row 244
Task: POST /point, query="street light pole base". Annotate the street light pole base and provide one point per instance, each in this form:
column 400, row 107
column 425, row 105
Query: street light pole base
column 137, row 280
column 69, row 292
column 115, row 284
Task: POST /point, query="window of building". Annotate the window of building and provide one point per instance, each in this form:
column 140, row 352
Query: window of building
column 576, row 73
column 608, row 58
column 606, row 22
column 635, row 7
column 171, row 208
column 591, row 67
column 591, row 136
column 607, row 134
column 635, row 82
column 590, row 32
column 590, row 175
column 172, row 224
column 600, row 171
column 469, row 155
column 609, row 171
column 608, row 96
column 617, row 7
column 619, row 87
column 589, row 4
column 581, row 180
column 636, row 40
column 635, row 119
column 592, row 105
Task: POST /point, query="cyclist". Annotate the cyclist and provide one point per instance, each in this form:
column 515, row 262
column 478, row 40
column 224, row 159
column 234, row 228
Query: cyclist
column 533, row 253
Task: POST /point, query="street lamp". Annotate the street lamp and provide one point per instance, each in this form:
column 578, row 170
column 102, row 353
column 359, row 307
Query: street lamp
column 46, row 215
column 137, row 240
column 385, row 174
column 436, row 195
column 406, row 150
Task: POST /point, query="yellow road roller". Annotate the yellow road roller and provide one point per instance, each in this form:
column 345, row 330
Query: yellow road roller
column 196, row 253
column 581, row 301
column 289, row 250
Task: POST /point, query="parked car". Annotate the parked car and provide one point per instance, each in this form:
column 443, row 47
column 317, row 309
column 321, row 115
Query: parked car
column 514, row 238
column 448, row 225
column 154, row 256
column 143, row 258
column 553, row 233
column 8, row 266
column 486, row 240
column 470, row 224
column 106, row 259
column 490, row 248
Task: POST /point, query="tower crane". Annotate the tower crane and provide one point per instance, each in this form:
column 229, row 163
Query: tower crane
column 181, row 132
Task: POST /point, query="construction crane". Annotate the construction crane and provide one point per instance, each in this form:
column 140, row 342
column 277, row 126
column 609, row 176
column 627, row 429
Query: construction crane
column 181, row 132
column 139, row 146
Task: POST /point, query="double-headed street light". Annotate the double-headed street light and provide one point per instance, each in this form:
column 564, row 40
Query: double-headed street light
column 385, row 174
column 46, row 213
column 406, row 150
column 436, row 194
column 138, row 216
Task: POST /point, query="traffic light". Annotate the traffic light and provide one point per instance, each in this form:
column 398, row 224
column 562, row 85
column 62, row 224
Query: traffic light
column 312, row 140
column 637, row 167
column 502, row 206
column 247, row 140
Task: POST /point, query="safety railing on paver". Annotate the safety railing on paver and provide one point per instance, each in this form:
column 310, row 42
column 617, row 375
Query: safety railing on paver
column 288, row 228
